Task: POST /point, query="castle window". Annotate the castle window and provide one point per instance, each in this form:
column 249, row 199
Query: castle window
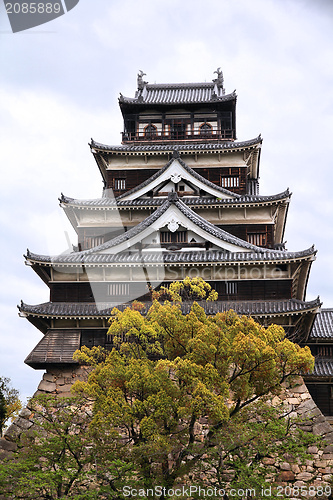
column 118, row 289
column 229, row 182
column 176, row 237
column 231, row 287
column 150, row 131
column 165, row 237
column 258, row 239
column 93, row 241
column 181, row 187
column 206, row 129
column 120, row 184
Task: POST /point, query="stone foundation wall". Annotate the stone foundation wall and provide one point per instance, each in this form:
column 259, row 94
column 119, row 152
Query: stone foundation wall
column 316, row 471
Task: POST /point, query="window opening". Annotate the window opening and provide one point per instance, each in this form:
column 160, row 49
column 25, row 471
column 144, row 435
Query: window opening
column 229, row 182
column 231, row 287
column 258, row 239
column 150, row 131
column 206, row 129
column 120, row 184
column 118, row 289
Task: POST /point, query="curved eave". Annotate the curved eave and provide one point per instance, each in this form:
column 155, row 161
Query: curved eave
column 110, row 203
column 161, row 258
column 224, row 147
column 260, row 309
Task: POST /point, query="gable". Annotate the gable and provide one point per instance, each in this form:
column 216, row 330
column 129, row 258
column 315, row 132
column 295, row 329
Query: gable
column 175, row 172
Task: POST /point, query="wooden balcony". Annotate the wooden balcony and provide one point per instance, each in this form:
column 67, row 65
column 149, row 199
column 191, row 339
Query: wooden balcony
column 178, row 134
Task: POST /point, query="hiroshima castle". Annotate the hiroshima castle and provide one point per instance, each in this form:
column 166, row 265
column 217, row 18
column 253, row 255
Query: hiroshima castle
column 181, row 198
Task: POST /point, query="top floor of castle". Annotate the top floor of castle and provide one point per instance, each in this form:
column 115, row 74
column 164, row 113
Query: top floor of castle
column 179, row 113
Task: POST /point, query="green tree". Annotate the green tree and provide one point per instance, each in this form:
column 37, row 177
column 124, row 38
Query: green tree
column 55, row 460
column 180, row 398
column 169, row 372
column 10, row 403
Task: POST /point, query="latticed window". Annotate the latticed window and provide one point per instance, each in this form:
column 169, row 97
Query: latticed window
column 118, row 289
column 165, row 237
column 258, row 239
column 120, row 184
column 231, row 287
column 94, row 241
column 176, row 237
column 230, row 182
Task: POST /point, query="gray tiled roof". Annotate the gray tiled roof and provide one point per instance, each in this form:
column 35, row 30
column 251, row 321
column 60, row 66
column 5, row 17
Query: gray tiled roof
column 90, row 310
column 169, row 148
column 159, row 257
column 198, row 221
column 323, row 367
column 179, row 93
column 323, row 325
column 56, row 346
column 188, row 169
column 193, row 201
column 192, row 216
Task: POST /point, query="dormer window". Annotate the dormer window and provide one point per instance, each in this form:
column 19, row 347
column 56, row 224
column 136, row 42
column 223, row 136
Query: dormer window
column 206, row 129
column 150, row 131
column 181, row 187
column 120, row 184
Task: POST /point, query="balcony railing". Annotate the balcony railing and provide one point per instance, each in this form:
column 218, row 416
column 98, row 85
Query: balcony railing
column 177, row 134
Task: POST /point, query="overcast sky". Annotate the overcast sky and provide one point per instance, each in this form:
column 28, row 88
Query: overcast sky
column 59, row 86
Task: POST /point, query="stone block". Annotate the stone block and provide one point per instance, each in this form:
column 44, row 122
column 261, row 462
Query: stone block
column 313, row 449
column 293, row 401
column 300, row 389
column 25, row 413
column 49, row 377
column 321, row 429
column 268, row 461
column 7, row 445
column 327, row 477
column 286, row 475
column 329, row 448
column 23, row 423
column 327, row 456
column 13, row 432
column 65, row 388
column 304, row 476
column 285, row 466
column 318, row 419
column 320, row 463
column 329, row 437
column 307, row 406
column 295, row 468
column 326, row 470
column 47, row 386
column 65, row 395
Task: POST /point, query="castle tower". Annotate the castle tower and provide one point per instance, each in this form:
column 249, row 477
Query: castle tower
column 181, row 198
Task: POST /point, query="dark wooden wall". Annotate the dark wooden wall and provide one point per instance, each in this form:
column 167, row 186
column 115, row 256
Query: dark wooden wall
column 246, row 290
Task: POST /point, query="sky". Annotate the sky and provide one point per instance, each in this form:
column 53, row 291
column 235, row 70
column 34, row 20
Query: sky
column 59, row 86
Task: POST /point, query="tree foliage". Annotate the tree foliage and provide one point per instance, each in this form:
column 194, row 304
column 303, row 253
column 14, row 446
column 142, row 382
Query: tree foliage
column 181, row 397
column 10, row 403
column 171, row 371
